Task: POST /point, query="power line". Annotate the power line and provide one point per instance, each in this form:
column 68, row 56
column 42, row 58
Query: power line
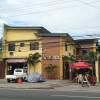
column 85, row 35
column 49, row 3
column 43, row 11
column 37, row 4
column 89, row 4
column 86, row 27
column 31, row 4
column 55, row 2
column 50, row 6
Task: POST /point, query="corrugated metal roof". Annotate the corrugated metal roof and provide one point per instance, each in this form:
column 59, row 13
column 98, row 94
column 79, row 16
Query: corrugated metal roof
column 44, row 30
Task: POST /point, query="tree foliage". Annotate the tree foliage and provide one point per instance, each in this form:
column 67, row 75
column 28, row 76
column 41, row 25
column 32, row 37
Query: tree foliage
column 89, row 56
column 33, row 59
column 69, row 59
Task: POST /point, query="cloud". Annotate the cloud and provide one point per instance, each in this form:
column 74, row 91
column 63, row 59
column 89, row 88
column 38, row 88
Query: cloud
column 12, row 2
column 2, row 21
column 72, row 17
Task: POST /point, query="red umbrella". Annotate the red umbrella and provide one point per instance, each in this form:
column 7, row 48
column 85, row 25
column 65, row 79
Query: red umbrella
column 80, row 64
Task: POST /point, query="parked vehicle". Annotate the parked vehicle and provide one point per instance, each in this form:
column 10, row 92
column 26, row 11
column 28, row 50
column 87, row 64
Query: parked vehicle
column 18, row 73
column 35, row 77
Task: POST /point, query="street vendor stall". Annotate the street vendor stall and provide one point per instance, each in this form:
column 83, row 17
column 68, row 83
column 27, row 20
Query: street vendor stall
column 83, row 65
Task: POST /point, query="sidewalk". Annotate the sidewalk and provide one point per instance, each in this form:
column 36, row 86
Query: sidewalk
column 49, row 84
column 79, row 88
column 55, row 85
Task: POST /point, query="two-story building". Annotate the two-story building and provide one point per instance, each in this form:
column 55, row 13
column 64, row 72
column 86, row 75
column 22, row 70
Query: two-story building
column 19, row 42
column 55, row 46
column 88, row 45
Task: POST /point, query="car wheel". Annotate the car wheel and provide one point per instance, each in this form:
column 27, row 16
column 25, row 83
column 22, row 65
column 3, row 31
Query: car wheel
column 8, row 80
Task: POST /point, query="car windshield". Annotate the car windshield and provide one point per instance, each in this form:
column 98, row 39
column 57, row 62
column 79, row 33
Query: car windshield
column 18, row 70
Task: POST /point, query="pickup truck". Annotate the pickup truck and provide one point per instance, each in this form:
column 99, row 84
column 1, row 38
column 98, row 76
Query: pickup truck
column 18, row 73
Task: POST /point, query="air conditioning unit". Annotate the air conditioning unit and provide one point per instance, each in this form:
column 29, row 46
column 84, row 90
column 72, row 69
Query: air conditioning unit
column 11, row 53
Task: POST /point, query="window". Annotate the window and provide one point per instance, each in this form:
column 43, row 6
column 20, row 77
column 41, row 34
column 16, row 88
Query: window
column 18, row 70
column 11, row 53
column 34, row 45
column 11, row 47
column 65, row 47
column 84, row 51
column 21, row 44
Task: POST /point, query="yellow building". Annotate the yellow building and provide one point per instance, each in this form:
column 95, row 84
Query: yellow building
column 19, row 42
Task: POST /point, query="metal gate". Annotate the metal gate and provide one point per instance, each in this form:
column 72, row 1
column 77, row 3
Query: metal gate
column 2, row 70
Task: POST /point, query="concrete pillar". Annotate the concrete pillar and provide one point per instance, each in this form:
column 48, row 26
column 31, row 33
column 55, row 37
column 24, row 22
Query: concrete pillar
column 61, row 60
column 97, row 70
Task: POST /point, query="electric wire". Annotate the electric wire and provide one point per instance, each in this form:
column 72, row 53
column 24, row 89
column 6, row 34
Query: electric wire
column 57, row 8
column 89, row 4
column 78, row 0
column 46, row 10
column 37, row 5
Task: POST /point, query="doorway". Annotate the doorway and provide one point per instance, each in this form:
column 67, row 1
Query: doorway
column 12, row 66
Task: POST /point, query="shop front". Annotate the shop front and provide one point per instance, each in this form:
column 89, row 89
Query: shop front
column 12, row 64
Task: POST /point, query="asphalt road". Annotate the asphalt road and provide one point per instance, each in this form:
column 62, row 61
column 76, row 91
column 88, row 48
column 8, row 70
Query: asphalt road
column 8, row 94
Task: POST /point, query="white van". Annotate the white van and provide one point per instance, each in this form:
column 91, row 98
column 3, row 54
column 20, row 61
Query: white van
column 18, row 73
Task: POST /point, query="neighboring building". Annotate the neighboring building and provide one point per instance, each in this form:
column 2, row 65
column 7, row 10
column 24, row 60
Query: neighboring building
column 19, row 42
column 2, row 68
column 55, row 46
column 86, row 45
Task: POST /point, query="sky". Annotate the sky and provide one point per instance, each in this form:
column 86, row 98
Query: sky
column 76, row 17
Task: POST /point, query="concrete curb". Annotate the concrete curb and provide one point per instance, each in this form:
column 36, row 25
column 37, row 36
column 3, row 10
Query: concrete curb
column 27, row 88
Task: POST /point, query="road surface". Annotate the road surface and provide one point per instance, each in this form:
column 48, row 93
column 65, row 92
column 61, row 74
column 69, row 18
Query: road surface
column 13, row 94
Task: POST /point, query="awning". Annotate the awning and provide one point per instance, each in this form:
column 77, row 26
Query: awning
column 16, row 60
column 80, row 64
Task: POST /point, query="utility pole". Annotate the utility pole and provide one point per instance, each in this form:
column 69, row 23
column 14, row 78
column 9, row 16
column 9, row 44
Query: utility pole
column 97, row 63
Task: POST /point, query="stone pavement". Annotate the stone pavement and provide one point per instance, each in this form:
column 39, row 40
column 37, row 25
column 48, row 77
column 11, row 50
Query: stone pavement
column 55, row 85
column 49, row 84
column 78, row 88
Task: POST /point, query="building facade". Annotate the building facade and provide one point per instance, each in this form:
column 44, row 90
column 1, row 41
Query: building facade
column 19, row 42
column 55, row 46
column 88, row 45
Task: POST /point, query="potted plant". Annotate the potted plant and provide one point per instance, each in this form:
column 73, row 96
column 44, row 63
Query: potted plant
column 51, row 71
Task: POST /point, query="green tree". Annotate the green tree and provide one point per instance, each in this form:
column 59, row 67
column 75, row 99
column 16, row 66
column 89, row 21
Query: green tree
column 33, row 59
column 66, row 61
column 69, row 59
column 89, row 56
